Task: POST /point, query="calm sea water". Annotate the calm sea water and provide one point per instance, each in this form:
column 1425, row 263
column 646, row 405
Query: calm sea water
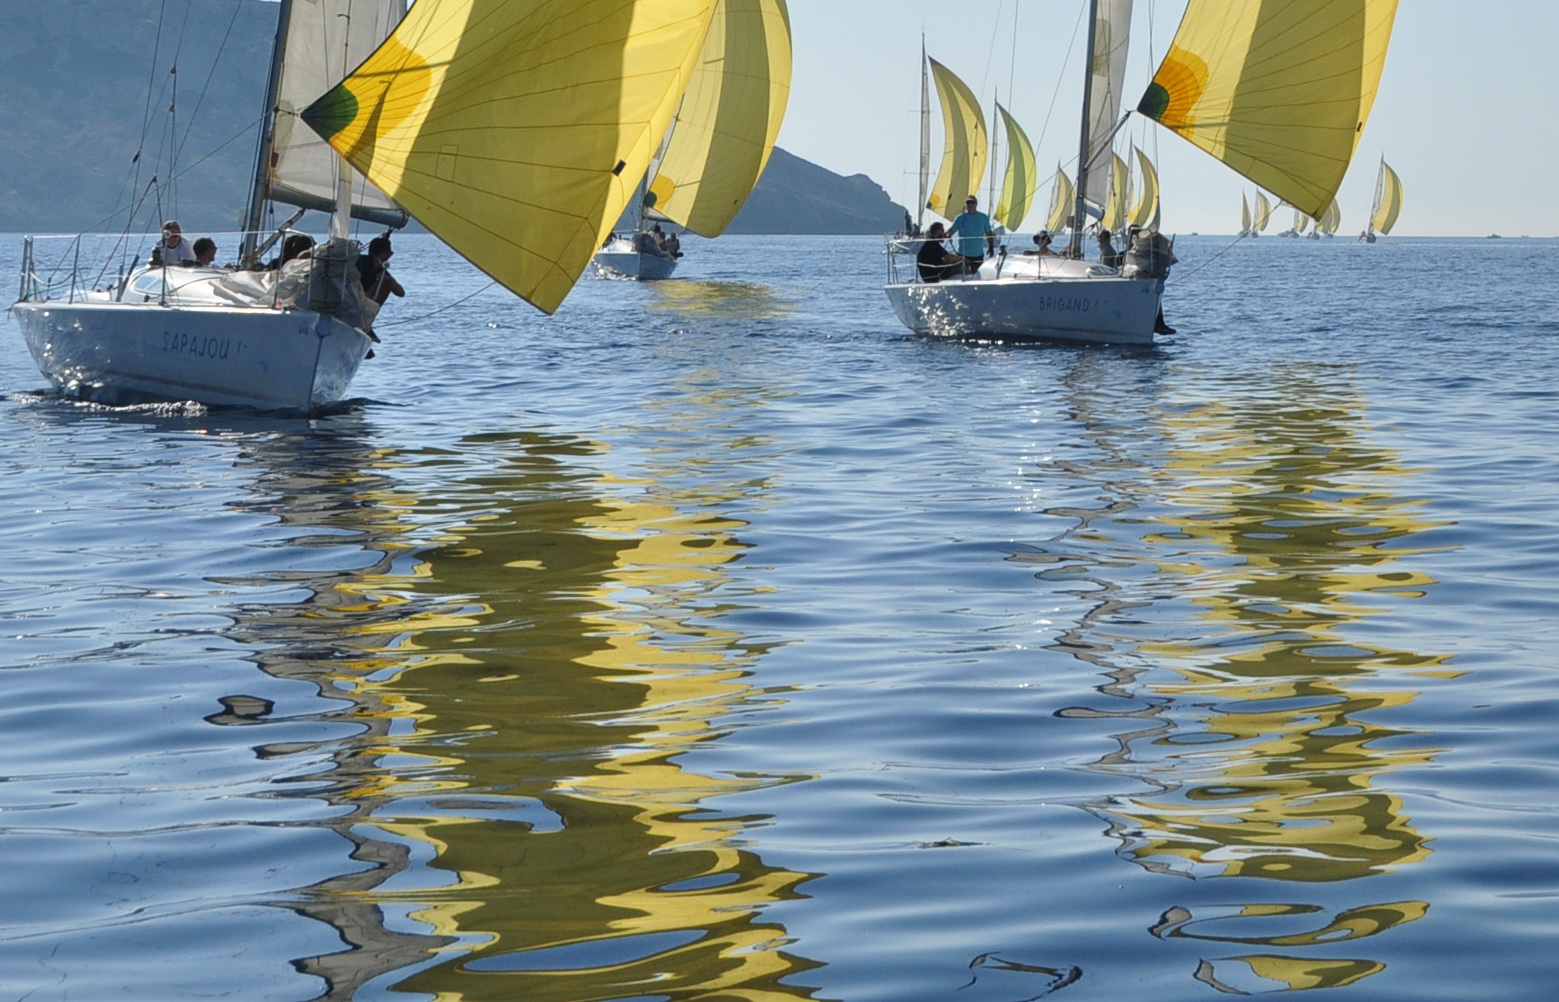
column 717, row 639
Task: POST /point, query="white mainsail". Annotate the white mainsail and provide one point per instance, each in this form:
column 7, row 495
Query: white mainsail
column 1111, row 37
column 324, row 41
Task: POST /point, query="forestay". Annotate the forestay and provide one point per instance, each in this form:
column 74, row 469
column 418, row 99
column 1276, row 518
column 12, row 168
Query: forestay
column 518, row 130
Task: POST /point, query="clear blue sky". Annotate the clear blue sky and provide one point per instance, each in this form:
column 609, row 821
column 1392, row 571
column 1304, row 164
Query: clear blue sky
column 1461, row 113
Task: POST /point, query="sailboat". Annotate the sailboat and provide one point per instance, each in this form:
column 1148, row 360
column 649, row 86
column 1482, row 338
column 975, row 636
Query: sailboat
column 1261, row 215
column 431, row 117
column 1330, row 220
column 1063, row 198
column 1017, row 187
column 1254, row 217
column 1276, row 89
column 1144, row 208
column 719, row 143
column 965, row 149
column 1388, row 203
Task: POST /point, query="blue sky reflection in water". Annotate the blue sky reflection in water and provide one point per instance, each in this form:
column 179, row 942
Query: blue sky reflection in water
column 718, row 639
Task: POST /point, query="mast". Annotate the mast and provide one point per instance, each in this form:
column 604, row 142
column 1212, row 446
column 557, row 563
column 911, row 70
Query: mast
column 254, row 215
column 925, row 135
column 1079, row 213
column 341, row 218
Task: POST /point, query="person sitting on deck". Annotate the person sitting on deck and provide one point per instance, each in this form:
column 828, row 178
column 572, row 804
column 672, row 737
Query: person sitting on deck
column 1108, row 255
column 205, row 252
column 1042, row 244
column 934, row 260
column 296, row 245
column 172, row 249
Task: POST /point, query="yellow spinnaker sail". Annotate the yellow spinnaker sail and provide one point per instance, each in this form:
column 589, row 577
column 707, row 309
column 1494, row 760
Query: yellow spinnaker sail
column 1145, row 210
column 1114, row 217
column 1262, row 214
column 1062, row 202
column 1017, row 188
column 1330, row 219
column 964, row 144
column 1388, row 199
column 1277, row 89
column 729, row 119
column 518, row 130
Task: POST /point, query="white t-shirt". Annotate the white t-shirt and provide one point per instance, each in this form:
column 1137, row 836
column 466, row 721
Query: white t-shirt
column 179, row 253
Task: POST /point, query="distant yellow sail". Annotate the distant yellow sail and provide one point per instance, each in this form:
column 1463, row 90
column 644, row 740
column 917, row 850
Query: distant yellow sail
column 517, row 132
column 1062, row 202
column 1277, row 89
column 729, row 119
column 1145, row 210
column 1244, row 215
column 1017, row 188
column 965, row 146
column 1114, row 217
column 1388, row 199
column 1262, row 214
column 1330, row 219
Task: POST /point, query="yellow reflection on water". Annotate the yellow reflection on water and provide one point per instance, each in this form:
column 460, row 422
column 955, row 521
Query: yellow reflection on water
column 534, row 651
column 1258, row 689
column 727, row 300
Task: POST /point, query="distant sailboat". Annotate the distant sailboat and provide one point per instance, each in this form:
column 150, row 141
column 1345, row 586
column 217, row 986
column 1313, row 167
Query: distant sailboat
column 965, row 143
column 1144, row 209
column 1114, row 216
column 1245, row 227
column 1388, row 203
column 1062, row 201
column 1330, row 220
column 720, row 142
column 1261, row 215
column 1017, row 188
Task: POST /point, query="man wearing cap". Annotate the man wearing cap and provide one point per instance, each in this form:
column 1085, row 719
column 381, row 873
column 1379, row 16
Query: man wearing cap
column 972, row 235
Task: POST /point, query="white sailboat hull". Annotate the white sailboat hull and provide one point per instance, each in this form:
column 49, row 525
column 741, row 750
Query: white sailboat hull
column 1030, row 303
column 619, row 259
column 115, row 352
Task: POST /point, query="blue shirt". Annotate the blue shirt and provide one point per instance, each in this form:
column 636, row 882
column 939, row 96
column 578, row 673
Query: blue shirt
column 969, row 229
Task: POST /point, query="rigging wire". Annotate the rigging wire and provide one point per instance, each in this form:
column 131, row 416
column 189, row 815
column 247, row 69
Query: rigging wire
column 441, row 309
column 210, row 75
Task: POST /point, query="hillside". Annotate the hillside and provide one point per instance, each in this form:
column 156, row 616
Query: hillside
column 85, row 142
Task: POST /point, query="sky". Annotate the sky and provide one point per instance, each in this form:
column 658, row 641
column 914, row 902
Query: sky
column 1455, row 112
